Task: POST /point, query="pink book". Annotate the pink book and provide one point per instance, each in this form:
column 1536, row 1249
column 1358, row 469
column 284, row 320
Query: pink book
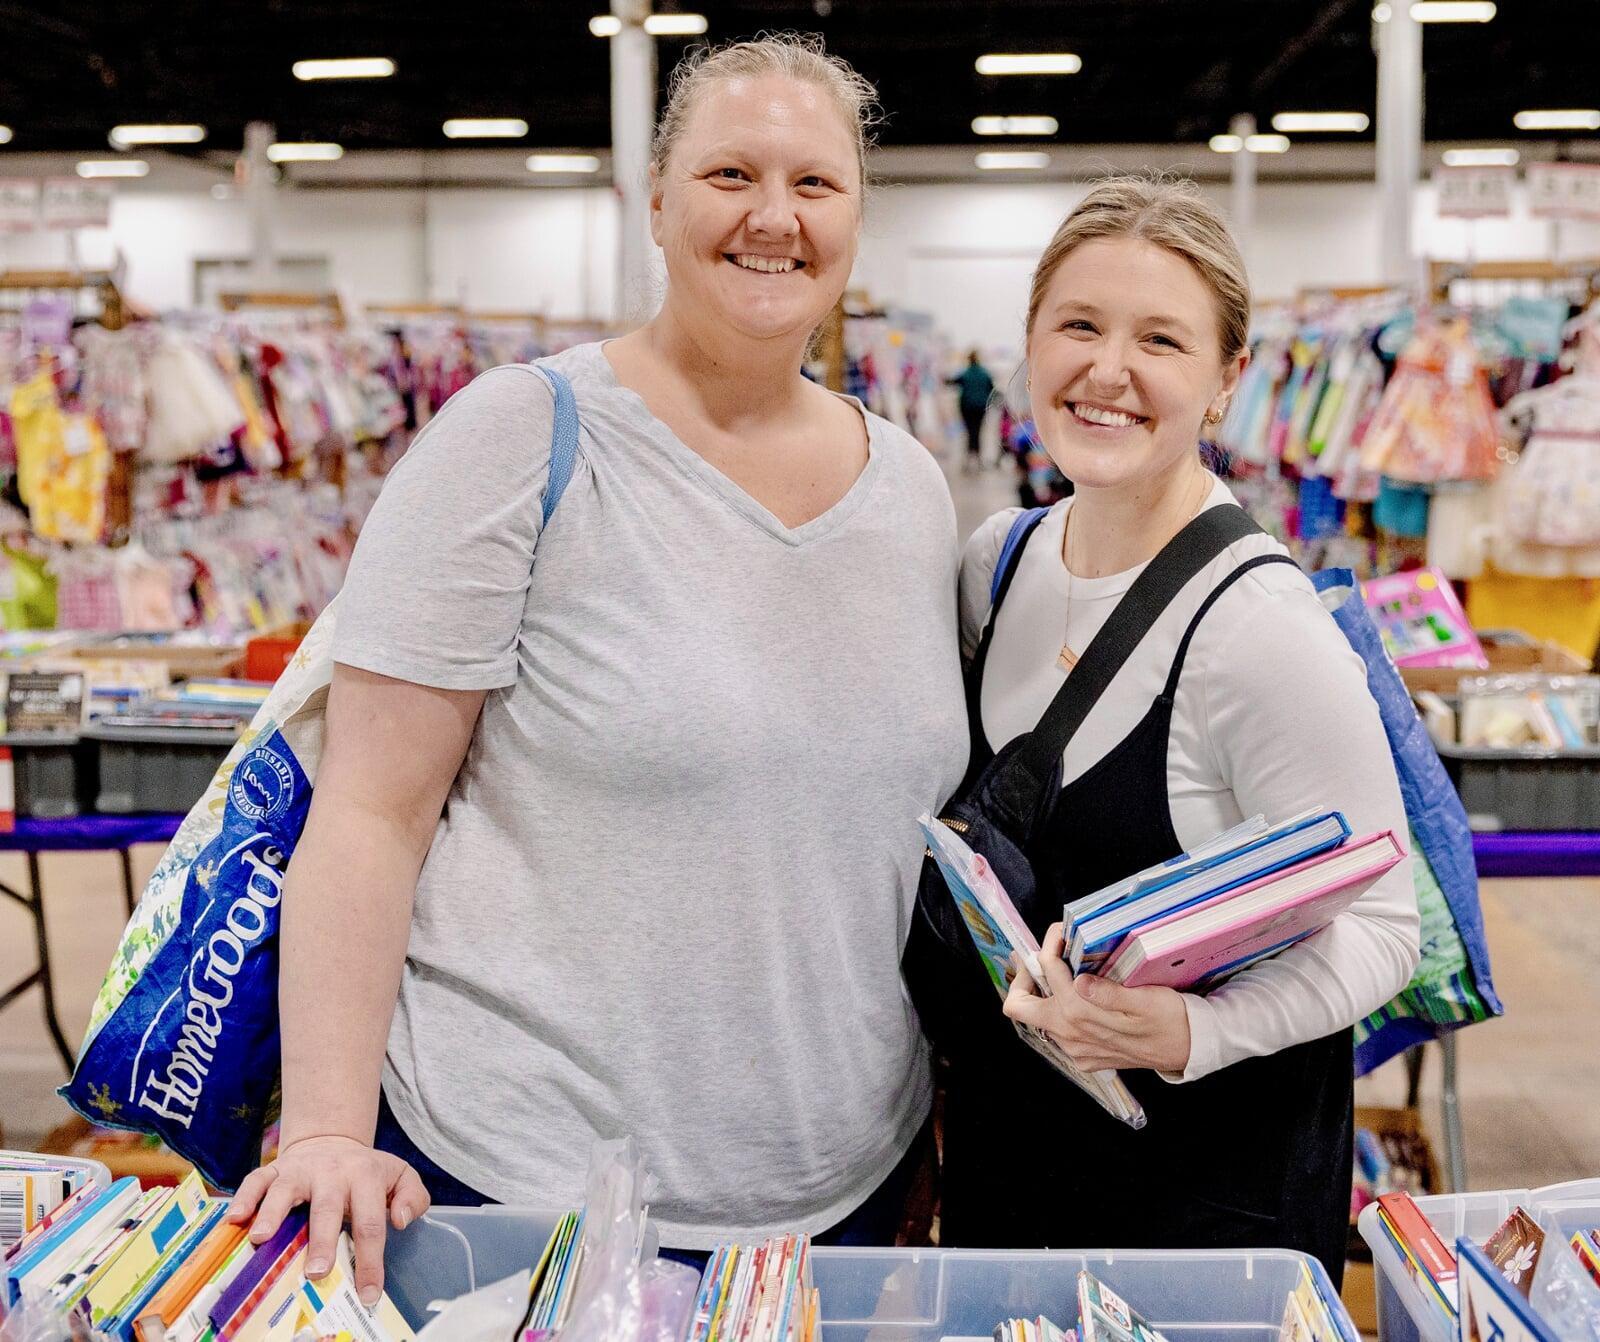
column 1206, row 942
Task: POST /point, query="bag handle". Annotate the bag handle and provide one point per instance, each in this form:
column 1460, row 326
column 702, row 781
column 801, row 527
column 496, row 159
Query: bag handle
column 563, row 441
column 1184, row 556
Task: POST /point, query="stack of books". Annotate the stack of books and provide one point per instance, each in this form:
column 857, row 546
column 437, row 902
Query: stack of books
column 162, row 1265
column 554, row 1284
column 1427, row 1257
column 1032, row 1330
column 1194, row 921
column 1307, row 1317
column 758, row 1294
column 1187, row 924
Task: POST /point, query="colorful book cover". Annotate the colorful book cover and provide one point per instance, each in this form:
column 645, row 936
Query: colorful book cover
column 1104, row 1316
column 1195, row 948
column 161, row 1228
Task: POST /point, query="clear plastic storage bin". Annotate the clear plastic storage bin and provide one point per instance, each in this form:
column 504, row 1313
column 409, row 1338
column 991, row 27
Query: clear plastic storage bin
column 907, row 1295
column 1406, row 1312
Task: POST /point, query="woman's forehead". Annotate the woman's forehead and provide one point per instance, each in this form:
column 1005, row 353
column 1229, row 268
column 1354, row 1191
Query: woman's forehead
column 750, row 111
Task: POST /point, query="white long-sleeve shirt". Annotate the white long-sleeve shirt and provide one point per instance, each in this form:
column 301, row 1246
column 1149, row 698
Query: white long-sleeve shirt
column 1272, row 716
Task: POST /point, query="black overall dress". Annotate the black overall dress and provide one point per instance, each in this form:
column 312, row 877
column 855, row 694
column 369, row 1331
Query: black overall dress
column 1257, row 1154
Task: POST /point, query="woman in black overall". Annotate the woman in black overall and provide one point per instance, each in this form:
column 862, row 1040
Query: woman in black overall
column 1191, row 679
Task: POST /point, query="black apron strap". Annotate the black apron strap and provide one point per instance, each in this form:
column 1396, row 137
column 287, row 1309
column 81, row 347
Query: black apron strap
column 1171, row 689
column 1184, row 556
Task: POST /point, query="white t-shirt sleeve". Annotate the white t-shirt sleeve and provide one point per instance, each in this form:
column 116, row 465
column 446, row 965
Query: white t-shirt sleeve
column 439, row 579
column 978, row 562
column 1291, row 725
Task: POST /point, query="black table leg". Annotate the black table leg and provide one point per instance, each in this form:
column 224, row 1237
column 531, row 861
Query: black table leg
column 129, row 898
column 46, row 982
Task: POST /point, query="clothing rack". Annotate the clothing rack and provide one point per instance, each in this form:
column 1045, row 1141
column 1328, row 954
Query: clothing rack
column 1579, row 278
column 326, row 302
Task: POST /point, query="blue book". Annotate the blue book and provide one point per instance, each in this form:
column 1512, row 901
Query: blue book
column 1098, row 924
column 56, row 1236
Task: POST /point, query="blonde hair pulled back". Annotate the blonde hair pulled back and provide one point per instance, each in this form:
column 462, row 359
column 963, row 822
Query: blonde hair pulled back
column 802, row 58
column 1170, row 213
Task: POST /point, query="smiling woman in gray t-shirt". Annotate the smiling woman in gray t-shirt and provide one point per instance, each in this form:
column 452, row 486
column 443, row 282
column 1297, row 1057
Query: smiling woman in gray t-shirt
column 615, row 829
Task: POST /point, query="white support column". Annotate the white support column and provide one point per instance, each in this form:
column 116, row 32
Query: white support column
column 1243, row 206
column 633, row 119
column 260, row 183
column 1399, row 138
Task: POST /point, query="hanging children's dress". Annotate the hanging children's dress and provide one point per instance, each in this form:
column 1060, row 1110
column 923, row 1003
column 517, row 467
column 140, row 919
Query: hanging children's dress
column 1437, row 419
column 1553, row 495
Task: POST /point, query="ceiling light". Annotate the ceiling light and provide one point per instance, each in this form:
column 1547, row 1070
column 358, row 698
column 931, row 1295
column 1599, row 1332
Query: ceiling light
column 1011, row 160
column 1481, row 158
column 1226, row 144
column 657, row 25
column 1015, row 125
column 485, row 128
column 124, row 136
column 304, row 152
column 5, row 134
column 1267, row 144
column 1035, row 63
column 1452, row 11
column 1571, row 118
column 675, row 25
column 364, row 67
column 1292, row 122
column 1382, row 13
column 563, row 163
column 114, row 167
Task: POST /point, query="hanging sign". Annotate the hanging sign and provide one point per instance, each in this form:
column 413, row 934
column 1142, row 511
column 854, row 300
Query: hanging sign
column 1564, row 190
column 19, row 205
column 70, row 203
column 1474, row 193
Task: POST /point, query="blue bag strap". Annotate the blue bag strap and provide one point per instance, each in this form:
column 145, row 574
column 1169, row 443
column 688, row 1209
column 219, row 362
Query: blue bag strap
column 1021, row 528
column 563, row 441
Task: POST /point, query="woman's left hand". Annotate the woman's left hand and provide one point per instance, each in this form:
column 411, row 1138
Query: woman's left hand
column 1098, row 1023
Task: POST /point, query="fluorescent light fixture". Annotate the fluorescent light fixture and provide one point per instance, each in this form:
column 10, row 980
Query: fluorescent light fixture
column 485, row 128
column 563, row 163
column 113, row 167
column 1005, row 160
column 304, row 151
column 1294, row 122
column 1034, row 63
column 1568, row 118
column 1267, row 144
column 362, row 67
column 1226, row 144
column 1453, row 11
column 1015, row 125
column 5, row 134
column 124, row 136
column 657, row 25
column 1481, row 158
column 675, row 25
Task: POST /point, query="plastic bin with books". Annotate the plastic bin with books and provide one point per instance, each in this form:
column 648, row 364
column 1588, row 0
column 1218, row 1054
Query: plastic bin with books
column 1418, row 1249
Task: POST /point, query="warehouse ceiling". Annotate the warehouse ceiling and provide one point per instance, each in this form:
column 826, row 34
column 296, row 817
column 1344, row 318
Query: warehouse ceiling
column 1154, row 71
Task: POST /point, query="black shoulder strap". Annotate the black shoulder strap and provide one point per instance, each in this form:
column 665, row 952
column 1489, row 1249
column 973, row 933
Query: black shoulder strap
column 1206, row 537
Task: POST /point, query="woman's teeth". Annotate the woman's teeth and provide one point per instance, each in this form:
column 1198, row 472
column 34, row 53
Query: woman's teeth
column 1111, row 419
column 767, row 265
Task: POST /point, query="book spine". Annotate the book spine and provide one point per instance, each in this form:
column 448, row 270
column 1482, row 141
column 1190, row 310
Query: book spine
column 1414, row 1228
column 260, row 1264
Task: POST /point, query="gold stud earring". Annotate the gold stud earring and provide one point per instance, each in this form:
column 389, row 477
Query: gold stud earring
column 1213, row 417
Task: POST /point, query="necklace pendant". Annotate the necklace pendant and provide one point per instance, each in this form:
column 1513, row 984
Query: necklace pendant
column 1068, row 658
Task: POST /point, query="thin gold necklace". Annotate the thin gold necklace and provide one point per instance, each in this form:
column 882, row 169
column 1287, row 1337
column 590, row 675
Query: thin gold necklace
column 1067, row 658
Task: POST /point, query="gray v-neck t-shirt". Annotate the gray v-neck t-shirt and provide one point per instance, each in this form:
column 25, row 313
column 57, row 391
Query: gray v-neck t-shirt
column 671, row 885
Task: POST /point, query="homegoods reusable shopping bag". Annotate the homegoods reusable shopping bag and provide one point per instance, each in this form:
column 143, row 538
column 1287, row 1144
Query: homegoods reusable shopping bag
column 183, row 1038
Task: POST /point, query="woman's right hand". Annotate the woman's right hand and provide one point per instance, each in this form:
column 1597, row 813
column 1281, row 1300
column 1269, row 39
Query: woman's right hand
column 342, row 1180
